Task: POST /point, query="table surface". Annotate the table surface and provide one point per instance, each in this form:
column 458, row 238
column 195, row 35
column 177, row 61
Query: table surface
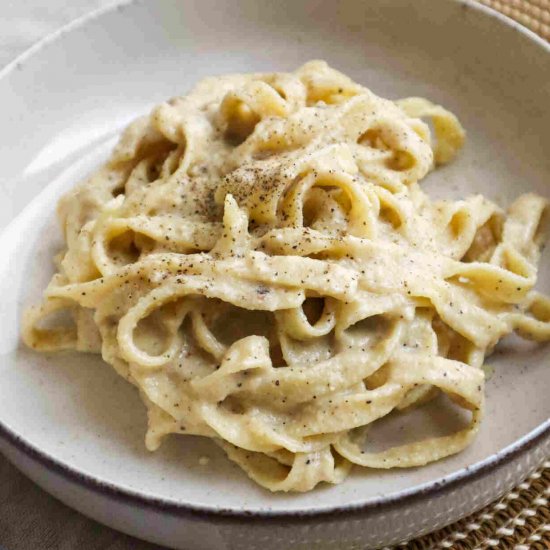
column 30, row 518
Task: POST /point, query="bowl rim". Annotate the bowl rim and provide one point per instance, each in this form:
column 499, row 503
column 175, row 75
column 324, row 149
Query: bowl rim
column 135, row 498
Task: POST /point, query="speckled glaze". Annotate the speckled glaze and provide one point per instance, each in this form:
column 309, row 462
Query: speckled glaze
column 74, row 427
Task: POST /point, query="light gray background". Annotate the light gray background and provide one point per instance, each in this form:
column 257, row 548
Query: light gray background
column 30, row 519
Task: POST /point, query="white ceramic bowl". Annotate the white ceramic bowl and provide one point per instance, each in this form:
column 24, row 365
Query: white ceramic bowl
column 71, row 425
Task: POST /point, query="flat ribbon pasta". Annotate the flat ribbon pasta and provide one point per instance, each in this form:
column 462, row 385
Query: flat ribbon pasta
column 259, row 260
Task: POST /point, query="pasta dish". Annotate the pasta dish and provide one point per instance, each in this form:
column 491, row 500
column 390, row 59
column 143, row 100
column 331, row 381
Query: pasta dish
column 259, row 260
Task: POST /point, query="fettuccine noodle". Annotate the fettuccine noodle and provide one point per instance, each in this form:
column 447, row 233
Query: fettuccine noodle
column 258, row 259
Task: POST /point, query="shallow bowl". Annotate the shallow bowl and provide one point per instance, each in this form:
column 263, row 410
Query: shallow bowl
column 75, row 428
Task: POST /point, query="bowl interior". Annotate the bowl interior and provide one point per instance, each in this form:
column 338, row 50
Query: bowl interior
column 62, row 109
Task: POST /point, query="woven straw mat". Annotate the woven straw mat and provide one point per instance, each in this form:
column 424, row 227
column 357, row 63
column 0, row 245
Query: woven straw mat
column 534, row 14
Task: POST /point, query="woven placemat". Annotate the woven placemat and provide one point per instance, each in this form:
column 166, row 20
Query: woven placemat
column 520, row 520
column 534, row 14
